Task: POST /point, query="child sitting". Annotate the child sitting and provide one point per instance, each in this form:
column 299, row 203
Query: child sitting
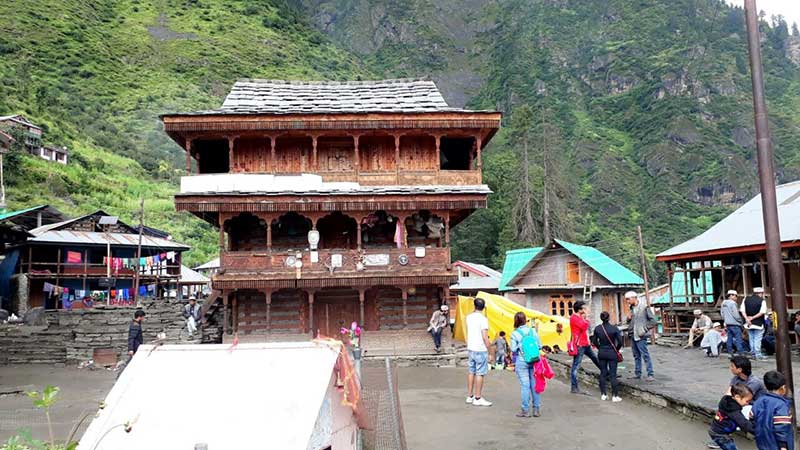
column 542, row 372
column 772, row 415
column 729, row 416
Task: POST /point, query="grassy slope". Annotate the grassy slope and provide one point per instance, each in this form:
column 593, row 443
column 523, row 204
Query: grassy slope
column 97, row 74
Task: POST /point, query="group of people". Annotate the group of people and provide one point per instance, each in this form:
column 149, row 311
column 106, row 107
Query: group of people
column 751, row 317
column 753, row 406
column 529, row 356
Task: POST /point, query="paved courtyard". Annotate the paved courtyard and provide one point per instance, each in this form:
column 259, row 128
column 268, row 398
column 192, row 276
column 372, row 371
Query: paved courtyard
column 436, row 417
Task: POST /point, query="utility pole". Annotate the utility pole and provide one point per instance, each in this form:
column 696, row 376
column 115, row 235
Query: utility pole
column 644, row 275
column 769, row 205
column 138, row 251
column 546, row 180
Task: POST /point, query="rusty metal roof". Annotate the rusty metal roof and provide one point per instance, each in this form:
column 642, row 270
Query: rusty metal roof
column 97, row 238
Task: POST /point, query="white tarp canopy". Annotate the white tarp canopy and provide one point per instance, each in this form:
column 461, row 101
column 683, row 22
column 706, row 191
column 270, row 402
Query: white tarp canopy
column 257, row 396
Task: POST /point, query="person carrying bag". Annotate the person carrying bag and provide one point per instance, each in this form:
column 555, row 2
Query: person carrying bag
column 608, row 340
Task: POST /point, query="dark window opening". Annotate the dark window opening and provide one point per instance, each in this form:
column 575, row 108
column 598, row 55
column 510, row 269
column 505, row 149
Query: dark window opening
column 212, row 156
column 425, row 229
column 379, row 229
column 290, row 231
column 247, row 233
column 337, row 230
column 455, row 153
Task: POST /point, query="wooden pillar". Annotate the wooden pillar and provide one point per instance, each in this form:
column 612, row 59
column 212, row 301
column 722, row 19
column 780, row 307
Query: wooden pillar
column 447, row 229
column 356, row 160
column 30, row 258
column 236, row 311
column 687, row 283
column 705, row 288
column 744, row 278
column 311, row 312
column 268, row 298
column 272, row 143
column 225, row 295
column 762, row 268
column 397, row 157
column 231, row 165
column 361, row 300
column 405, row 307
column 359, row 219
column 478, row 143
column 188, row 146
column 724, row 288
column 58, row 261
column 438, row 139
column 221, row 233
column 314, row 159
column 269, row 234
column 670, row 275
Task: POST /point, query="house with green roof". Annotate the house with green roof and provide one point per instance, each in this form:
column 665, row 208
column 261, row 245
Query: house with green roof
column 552, row 278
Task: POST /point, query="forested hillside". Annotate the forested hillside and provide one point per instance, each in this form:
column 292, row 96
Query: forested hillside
column 96, row 75
column 629, row 112
column 632, row 112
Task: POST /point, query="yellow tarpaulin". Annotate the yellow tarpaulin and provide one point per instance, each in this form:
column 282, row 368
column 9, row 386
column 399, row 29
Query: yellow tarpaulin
column 500, row 312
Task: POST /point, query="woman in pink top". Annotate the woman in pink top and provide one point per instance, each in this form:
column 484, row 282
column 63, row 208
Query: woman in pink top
column 579, row 326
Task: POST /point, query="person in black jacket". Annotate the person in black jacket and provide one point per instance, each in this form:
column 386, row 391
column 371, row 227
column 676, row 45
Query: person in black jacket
column 135, row 337
column 729, row 417
column 608, row 340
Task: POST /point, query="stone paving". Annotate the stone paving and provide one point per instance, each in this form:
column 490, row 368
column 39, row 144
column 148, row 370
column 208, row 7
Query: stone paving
column 686, row 378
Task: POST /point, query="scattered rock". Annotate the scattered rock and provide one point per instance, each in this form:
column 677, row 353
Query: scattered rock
column 35, row 317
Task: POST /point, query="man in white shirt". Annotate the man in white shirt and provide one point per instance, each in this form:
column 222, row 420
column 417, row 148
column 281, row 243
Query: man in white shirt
column 754, row 310
column 478, row 351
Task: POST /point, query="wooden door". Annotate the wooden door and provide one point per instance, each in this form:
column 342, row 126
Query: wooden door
column 332, row 315
column 610, row 305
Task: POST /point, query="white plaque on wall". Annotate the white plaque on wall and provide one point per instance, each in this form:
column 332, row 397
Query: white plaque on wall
column 419, row 252
column 377, row 260
column 314, row 257
column 336, row 261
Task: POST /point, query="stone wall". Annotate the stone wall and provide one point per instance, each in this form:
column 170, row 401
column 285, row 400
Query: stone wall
column 71, row 336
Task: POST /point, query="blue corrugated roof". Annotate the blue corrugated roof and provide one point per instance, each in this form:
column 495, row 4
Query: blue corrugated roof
column 616, row 273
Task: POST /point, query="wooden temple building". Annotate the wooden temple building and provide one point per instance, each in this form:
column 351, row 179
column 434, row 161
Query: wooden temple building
column 334, row 201
column 731, row 255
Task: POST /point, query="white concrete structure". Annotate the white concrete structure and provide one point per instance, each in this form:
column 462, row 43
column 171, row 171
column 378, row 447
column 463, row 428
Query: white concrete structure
column 252, row 396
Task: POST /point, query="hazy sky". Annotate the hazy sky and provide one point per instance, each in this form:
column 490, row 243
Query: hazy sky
column 790, row 9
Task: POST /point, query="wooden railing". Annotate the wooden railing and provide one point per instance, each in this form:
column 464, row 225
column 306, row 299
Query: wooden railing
column 352, row 261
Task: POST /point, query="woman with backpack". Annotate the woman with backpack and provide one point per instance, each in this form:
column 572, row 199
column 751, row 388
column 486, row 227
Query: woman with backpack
column 525, row 345
column 608, row 340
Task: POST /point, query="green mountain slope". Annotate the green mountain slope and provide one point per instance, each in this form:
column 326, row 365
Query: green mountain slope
column 96, row 74
column 642, row 109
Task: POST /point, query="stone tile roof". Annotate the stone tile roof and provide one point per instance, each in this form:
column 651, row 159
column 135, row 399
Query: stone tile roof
column 331, row 97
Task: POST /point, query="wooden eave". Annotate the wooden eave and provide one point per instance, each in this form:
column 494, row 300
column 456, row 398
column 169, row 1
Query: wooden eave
column 187, row 126
column 758, row 248
column 260, row 281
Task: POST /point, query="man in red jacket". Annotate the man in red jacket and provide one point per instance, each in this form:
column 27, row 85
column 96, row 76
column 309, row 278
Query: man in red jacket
column 579, row 327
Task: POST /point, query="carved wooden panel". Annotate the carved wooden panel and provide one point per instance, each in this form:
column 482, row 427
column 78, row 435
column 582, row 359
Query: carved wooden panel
column 293, row 155
column 335, row 154
column 418, row 153
column 252, row 154
column 377, row 154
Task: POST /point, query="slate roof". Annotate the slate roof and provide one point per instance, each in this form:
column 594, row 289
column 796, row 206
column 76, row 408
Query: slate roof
column 745, row 227
column 70, row 237
column 520, row 261
column 251, row 96
column 189, row 276
column 213, row 264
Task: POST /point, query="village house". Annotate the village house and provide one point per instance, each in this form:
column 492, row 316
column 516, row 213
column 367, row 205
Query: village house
column 334, row 200
column 208, row 268
column 63, row 263
column 731, row 255
column 551, row 279
column 33, row 138
column 474, row 278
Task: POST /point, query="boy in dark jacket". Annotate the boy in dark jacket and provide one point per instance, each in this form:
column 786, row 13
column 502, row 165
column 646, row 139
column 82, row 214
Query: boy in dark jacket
column 772, row 415
column 135, row 337
column 729, row 417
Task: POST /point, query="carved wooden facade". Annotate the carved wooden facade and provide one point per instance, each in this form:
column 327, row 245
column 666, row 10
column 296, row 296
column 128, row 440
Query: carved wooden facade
column 381, row 170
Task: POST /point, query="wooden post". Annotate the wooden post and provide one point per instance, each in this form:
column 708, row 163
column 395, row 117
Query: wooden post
column 188, row 145
column 397, row 157
column 314, row 159
column 687, row 285
column 402, row 221
column 225, row 319
column 236, row 311
column 30, row 257
column 273, row 143
column 231, row 165
column 438, row 140
column 447, row 229
column 761, row 266
column 358, row 233
column 361, row 300
column 269, row 234
column 221, row 234
column 356, row 160
column 268, row 297
column 744, row 278
column 311, row 312
column 139, row 252
column 478, row 143
column 724, row 288
column 405, row 308
column 705, row 288
column 670, row 275
column 58, row 262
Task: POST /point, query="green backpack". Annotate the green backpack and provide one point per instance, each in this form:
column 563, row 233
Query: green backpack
column 529, row 348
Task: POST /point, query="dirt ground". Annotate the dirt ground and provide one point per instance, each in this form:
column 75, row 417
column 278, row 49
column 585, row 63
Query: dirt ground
column 433, row 408
column 436, row 418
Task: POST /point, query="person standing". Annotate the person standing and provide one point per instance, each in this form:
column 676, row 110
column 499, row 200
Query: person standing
column 753, row 309
column 439, row 320
column 500, row 349
column 192, row 312
column 135, row 336
column 478, row 353
column 522, row 368
column 700, row 326
column 608, row 340
column 733, row 322
column 640, row 320
column 579, row 329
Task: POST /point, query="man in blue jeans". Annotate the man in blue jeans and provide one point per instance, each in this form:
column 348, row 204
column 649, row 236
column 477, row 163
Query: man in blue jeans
column 478, row 353
column 579, row 329
column 754, row 311
column 733, row 322
column 639, row 321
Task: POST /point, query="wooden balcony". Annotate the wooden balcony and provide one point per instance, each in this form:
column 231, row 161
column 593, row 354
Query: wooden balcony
column 365, row 263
